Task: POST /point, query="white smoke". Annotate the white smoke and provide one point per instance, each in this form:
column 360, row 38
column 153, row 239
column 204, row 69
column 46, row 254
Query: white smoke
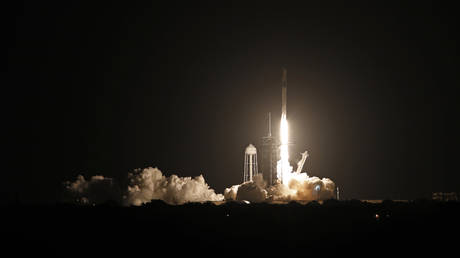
column 297, row 186
column 143, row 186
column 253, row 191
column 150, row 184
column 230, row 193
column 301, row 187
column 96, row 190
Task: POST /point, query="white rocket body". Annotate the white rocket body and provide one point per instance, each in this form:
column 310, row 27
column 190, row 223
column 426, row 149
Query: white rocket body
column 284, row 93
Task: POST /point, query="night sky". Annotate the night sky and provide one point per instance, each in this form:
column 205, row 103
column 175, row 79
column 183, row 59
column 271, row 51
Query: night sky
column 95, row 88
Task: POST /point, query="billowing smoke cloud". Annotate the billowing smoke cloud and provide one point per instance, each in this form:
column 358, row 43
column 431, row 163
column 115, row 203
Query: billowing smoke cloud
column 300, row 187
column 253, row 191
column 96, row 190
column 230, row 193
column 143, row 186
column 150, row 184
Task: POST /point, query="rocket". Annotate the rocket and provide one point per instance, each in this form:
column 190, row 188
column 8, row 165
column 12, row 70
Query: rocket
column 283, row 93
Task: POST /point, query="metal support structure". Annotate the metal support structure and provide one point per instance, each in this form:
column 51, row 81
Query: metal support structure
column 270, row 154
column 302, row 161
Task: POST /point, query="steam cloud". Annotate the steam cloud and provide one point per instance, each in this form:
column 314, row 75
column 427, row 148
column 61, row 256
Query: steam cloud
column 253, row 191
column 301, row 187
column 150, row 184
column 143, row 186
column 96, row 190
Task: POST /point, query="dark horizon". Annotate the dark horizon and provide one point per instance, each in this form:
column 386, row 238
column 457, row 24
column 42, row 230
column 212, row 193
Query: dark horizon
column 102, row 89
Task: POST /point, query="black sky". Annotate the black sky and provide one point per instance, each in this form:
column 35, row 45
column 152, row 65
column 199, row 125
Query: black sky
column 95, row 88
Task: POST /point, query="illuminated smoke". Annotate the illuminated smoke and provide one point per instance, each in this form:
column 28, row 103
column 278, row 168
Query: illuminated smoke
column 301, row 187
column 143, row 186
column 150, row 184
column 230, row 193
column 96, row 190
column 252, row 191
column 295, row 187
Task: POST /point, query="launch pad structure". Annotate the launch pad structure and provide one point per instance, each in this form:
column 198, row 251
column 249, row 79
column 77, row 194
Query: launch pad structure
column 269, row 155
column 274, row 164
column 271, row 145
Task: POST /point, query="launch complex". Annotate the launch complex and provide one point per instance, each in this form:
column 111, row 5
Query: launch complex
column 274, row 163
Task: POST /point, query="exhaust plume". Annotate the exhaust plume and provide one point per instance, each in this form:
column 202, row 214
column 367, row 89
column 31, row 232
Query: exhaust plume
column 292, row 186
column 96, row 190
column 142, row 186
column 301, row 187
column 150, row 184
column 252, row 191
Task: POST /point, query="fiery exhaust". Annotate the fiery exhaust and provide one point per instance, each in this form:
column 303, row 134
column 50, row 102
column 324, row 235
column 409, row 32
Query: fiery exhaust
column 283, row 168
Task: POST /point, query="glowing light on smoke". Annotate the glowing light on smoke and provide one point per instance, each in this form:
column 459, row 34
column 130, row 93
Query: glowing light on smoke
column 283, row 168
column 317, row 188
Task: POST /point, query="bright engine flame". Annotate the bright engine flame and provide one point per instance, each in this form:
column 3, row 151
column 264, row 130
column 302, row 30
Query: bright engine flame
column 283, row 168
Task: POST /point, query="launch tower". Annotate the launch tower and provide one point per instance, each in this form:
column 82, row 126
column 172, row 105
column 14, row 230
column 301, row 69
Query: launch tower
column 270, row 155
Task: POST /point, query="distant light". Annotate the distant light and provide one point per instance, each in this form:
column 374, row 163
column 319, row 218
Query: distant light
column 377, row 216
column 228, row 215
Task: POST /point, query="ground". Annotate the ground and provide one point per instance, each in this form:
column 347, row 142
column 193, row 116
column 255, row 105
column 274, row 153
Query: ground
column 233, row 229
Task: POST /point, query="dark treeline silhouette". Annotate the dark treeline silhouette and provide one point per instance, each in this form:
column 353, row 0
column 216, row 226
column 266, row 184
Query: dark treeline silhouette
column 160, row 230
